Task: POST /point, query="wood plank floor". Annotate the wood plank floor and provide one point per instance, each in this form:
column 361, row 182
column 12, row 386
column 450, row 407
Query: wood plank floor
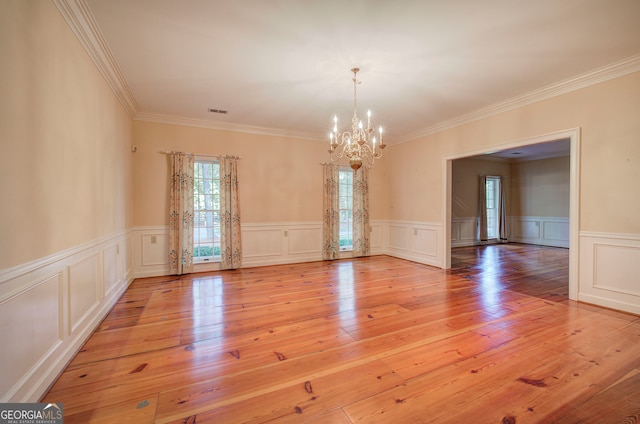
column 370, row 340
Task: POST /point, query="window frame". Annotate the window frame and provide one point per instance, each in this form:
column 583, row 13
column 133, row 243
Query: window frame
column 492, row 204
column 346, row 199
column 206, row 214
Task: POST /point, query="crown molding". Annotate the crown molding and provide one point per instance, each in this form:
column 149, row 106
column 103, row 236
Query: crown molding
column 223, row 126
column 598, row 75
column 81, row 21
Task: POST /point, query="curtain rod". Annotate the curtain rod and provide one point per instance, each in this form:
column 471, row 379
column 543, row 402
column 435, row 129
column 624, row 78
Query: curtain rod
column 169, row 152
column 344, row 165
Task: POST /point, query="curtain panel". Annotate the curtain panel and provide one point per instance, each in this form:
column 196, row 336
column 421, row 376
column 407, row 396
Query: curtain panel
column 502, row 214
column 181, row 213
column 361, row 242
column 230, row 231
column 331, row 212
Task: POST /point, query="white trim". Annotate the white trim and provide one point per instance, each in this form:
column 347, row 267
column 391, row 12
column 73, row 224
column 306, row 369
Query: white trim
column 249, row 225
column 37, row 264
column 224, row 126
column 618, row 236
column 574, row 214
column 607, row 302
column 79, row 18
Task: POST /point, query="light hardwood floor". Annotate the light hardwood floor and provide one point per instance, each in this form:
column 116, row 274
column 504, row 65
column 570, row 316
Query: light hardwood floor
column 369, row 340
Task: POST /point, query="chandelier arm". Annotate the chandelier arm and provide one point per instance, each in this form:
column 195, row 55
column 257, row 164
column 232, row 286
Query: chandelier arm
column 368, row 153
column 370, row 159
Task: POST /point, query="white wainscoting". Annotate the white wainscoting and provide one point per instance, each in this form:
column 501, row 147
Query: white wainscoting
column 291, row 242
column 546, row 231
column 463, row 231
column 610, row 270
column 416, row 241
column 150, row 251
column 281, row 243
column 49, row 307
column 262, row 244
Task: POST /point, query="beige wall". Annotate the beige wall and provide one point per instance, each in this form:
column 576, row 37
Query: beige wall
column 464, row 184
column 540, row 188
column 607, row 114
column 280, row 179
column 65, row 161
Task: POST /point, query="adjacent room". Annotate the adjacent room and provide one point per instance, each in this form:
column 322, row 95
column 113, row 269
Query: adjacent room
column 337, row 211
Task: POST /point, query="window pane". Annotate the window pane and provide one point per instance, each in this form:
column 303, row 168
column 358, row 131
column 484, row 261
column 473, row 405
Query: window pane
column 206, row 209
column 346, row 208
column 492, row 196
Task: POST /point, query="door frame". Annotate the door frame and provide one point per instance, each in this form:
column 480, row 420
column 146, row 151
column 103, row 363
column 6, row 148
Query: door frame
column 574, row 195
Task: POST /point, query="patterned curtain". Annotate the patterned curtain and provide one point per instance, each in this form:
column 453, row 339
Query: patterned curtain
column 482, row 209
column 361, row 244
column 181, row 214
column 230, row 239
column 331, row 213
column 502, row 214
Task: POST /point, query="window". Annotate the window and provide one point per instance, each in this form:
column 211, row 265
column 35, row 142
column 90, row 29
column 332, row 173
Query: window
column 345, row 178
column 492, row 197
column 206, row 210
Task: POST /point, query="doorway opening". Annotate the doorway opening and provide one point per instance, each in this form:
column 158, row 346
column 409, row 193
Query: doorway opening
column 573, row 137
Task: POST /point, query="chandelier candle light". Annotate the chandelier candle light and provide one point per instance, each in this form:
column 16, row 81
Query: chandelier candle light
column 360, row 143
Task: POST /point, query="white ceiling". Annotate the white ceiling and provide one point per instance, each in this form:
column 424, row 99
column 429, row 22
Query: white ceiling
column 550, row 149
column 284, row 65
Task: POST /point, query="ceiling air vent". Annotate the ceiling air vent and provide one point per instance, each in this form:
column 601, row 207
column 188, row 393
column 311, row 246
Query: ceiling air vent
column 220, row 111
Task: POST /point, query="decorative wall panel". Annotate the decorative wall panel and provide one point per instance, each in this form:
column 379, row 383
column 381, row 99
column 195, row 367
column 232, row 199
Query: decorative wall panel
column 281, row 243
column 399, row 237
column 415, row 241
column 150, row 248
column 49, row 307
column 304, row 241
column 31, row 328
column 261, row 242
column 610, row 270
column 155, row 248
column 463, row 232
column 83, row 289
column 545, row 231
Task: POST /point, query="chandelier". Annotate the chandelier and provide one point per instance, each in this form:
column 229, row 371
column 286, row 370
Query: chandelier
column 359, row 144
